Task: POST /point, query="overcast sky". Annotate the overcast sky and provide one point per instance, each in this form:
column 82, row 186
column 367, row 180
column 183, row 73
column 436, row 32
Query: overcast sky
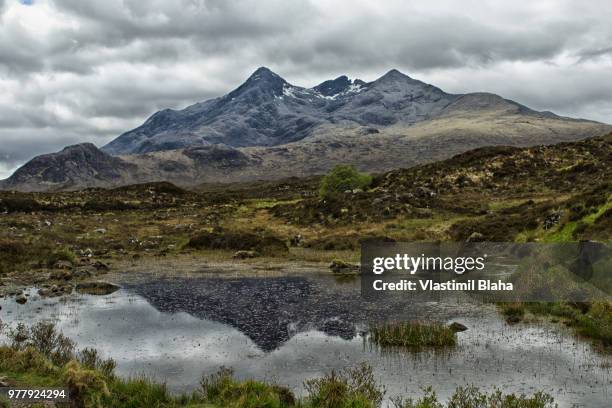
column 88, row 70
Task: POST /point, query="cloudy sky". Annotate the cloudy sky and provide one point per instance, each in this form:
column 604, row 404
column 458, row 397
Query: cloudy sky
column 88, row 70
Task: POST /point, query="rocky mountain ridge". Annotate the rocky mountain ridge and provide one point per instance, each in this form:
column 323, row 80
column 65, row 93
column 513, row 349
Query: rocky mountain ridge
column 269, row 129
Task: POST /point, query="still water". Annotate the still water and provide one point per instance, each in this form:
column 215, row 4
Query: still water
column 290, row 328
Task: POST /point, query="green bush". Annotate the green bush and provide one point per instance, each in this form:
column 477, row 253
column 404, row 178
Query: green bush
column 342, row 178
column 44, row 338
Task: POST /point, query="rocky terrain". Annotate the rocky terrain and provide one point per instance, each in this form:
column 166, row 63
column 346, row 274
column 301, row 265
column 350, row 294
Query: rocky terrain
column 268, row 129
column 544, row 193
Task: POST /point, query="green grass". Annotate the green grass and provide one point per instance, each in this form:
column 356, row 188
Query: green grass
column 413, row 335
column 567, row 232
column 514, row 312
column 589, row 320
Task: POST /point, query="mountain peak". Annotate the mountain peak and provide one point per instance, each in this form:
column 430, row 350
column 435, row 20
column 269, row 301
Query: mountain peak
column 393, row 75
column 333, row 86
column 263, row 81
column 263, row 73
column 87, row 146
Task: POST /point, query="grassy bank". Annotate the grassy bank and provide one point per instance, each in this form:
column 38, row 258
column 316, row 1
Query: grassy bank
column 39, row 356
column 588, row 320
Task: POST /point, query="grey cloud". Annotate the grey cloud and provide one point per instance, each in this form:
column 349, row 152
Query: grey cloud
column 105, row 66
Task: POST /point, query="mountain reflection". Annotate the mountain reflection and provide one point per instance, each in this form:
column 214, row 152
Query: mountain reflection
column 267, row 310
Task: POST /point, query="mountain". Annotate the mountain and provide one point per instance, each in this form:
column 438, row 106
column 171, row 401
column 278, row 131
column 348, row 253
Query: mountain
column 268, row 128
column 268, row 111
column 78, row 166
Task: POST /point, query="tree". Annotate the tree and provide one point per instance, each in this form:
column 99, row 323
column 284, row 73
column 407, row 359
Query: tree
column 342, row 178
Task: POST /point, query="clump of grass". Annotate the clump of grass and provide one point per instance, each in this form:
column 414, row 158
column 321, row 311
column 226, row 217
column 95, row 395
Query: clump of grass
column 90, row 358
column 413, row 335
column 222, row 389
column 142, row 391
column 472, row 397
column 514, row 311
column 86, row 386
column 353, row 387
column 63, row 254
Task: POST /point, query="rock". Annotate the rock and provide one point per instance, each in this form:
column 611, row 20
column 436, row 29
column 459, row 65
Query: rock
column 83, row 273
column 66, row 265
column 424, row 192
column 476, row 237
column 61, row 275
column 551, row 220
column 245, row 254
column 513, row 319
column 100, row 230
column 97, row 288
column 44, row 292
column 4, row 382
column 297, row 240
column 342, row 267
column 101, row 266
column 21, row 299
column 457, row 327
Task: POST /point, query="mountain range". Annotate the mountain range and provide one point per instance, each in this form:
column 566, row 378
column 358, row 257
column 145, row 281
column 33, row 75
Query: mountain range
column 268, row 128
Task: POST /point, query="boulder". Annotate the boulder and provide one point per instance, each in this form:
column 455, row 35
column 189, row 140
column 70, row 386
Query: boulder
column 21, row 299
column 457, row 327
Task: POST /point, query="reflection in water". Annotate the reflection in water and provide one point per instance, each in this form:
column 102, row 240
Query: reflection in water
column 293, row 328
column 271, row 310
column 268, row 311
